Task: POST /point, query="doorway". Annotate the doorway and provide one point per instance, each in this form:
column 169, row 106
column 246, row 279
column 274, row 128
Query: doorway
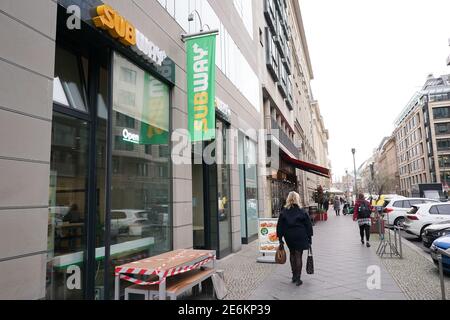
column 211, row 191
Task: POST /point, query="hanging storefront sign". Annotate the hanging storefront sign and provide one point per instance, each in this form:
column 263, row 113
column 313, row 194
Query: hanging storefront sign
column 201, row 78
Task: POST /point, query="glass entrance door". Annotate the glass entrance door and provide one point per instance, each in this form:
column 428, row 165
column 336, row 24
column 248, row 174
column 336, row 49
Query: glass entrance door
column 223, row 187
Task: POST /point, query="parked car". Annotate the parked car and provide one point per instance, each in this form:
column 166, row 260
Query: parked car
column 421, row 216
column 385, row 199
column 127, row 221
column 59, row 213
column 397, row 208
column 442, row 243
column 435, row 231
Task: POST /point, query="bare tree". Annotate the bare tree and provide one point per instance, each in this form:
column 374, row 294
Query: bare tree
column 382, row 183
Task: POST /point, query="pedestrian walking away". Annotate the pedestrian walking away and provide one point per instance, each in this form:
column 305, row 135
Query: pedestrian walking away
column 326, row 203
column 337, row 206
column 362, row 213
column 294, row 225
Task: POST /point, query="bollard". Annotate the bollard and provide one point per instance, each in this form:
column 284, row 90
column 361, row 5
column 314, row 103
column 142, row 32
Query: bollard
column 441, row 276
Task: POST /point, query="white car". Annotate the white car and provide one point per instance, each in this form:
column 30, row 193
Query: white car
column 424, row 215
column 128, row 221
column 397, row 208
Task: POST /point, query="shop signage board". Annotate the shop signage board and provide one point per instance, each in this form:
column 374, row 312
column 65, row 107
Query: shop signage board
column 123, row 32
column 223, row 109
column 267, row 235
column 201, row 82
column 121, row 29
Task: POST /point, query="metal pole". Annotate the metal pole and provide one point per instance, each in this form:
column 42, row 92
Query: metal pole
column 354, row 166
column 441, row 276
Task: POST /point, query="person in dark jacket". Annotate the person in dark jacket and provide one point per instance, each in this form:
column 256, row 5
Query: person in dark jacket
column 326, row 203
column 364, row 219
column 294, row 225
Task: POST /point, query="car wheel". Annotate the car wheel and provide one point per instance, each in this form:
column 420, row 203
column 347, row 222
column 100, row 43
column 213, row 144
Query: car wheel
column 422, row 231
column 399, row 221
column 426, row 245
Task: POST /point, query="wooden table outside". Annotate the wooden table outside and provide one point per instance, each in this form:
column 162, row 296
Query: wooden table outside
column 163, row 266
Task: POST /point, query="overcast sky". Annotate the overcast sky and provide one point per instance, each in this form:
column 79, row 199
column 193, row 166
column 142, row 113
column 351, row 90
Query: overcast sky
column 368, row 58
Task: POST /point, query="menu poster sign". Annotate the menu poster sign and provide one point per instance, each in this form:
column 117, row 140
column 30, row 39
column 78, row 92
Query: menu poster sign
column 267, row 234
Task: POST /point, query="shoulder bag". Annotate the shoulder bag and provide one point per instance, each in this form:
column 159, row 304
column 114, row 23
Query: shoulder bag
column 310, row 262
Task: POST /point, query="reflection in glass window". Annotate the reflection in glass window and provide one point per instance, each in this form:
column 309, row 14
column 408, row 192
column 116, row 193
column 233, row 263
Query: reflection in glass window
column 128, row 75
column 140, row 180
column 67, row 207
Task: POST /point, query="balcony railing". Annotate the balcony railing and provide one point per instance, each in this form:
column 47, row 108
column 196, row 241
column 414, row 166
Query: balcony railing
column 285, row 140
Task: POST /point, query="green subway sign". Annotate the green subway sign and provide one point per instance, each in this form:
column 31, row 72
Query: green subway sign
column 201, row 86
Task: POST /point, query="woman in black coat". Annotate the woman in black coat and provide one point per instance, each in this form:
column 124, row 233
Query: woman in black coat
column 294, row 225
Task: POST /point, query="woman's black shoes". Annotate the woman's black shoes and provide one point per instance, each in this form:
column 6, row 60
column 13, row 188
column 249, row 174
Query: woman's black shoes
column 362, row 241
column 368, row 245
column 297, row 281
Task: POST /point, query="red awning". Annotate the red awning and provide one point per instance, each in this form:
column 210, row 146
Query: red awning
column 308, row 167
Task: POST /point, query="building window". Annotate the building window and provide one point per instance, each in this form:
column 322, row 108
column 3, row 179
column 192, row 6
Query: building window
column 444, row 161
column 443, row 144
column 69, row 88
column 124, row 121
column 442, row 128
column 441, row 113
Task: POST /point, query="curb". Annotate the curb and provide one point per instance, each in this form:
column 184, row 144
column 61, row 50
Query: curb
column 417, row 250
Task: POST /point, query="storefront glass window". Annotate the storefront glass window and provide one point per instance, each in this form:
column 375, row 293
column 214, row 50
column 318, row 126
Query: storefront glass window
column 101, row 165
column 220, row 178
column 251, row 188
column 67, row 208
column 241, row 155
column 248, row 187
column 141, row 219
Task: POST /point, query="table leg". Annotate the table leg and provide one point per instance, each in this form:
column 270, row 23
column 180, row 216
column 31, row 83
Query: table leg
column 162, row 289
column 117, row 289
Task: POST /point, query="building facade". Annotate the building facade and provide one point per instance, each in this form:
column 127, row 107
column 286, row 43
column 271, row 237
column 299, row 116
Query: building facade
column 320, row 140
column 90, row 181
column 421, row 136
column 386, row 167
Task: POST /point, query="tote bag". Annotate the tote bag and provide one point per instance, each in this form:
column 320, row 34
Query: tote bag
column 280, row 255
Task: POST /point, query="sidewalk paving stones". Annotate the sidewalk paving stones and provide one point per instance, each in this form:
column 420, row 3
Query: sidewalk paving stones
column 417, row 275
column 342, row 271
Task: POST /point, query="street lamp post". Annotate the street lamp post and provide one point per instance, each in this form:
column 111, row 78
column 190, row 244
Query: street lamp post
column 347, row 189
column 354, row 165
